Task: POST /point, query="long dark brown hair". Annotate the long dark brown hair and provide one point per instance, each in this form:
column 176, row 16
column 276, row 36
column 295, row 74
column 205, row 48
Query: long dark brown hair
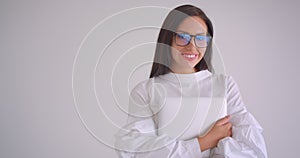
column 162, row 58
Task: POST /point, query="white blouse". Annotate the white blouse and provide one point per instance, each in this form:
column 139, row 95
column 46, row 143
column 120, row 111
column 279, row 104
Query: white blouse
column 140, row 136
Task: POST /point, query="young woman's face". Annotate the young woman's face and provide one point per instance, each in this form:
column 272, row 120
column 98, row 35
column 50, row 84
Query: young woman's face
column 185, row 57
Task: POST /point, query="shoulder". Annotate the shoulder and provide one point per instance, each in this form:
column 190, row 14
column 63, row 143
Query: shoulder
column 225, row 78
column 231, row 86
column 143, row 87
column 225, row 82
column 230, row 82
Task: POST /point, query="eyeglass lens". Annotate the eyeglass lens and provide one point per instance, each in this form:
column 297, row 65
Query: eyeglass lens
column 183, row 39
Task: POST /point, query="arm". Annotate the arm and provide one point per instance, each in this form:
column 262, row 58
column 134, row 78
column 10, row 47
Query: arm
column 247, row 139
column 220, row 130
column 139, row 137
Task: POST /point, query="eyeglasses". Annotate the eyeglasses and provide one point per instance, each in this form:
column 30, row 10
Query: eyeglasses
column 184, row 39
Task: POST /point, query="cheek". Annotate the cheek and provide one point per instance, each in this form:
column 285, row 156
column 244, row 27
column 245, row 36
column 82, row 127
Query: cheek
column 176, row 50
column 202, row 51
column 174, row 53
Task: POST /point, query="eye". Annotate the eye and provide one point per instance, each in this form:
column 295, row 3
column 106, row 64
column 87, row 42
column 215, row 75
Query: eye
column 202, row 38
column 184, row 36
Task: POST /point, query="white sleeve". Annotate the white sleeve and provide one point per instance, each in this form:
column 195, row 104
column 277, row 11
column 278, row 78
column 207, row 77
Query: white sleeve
column 139, row 137
column 247, row 139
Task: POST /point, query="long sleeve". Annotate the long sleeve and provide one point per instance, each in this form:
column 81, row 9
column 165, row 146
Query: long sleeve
column 139, row 137
column 247, row 139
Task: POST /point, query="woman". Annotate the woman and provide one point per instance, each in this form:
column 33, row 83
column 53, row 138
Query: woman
column 182, row 68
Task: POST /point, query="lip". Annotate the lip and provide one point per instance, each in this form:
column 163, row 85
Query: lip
column 190, row 56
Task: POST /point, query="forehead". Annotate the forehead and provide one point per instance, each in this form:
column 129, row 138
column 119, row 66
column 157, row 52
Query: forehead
column 192, row 25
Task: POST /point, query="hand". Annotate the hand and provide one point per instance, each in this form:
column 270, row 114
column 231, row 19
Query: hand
column 220, row 130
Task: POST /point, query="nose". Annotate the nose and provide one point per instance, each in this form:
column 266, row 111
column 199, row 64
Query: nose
column 192, row 44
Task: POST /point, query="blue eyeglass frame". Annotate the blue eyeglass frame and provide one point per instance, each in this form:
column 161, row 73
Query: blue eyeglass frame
column 204, row 37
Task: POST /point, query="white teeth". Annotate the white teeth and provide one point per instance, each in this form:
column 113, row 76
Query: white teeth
column 189, row 55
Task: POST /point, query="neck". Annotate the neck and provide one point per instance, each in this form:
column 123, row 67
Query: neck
column 183, row 71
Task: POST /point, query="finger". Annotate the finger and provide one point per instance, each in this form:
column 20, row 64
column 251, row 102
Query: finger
column 228, row 125
column 230, row 133
column 229, row 128
column 223, row 120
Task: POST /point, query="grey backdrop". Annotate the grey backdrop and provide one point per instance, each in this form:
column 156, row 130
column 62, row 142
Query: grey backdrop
column 39, row 41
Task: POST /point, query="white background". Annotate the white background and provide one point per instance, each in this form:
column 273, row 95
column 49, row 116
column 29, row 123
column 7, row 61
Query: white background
column 39, row 41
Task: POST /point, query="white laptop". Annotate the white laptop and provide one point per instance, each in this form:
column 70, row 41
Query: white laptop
column 187, row 117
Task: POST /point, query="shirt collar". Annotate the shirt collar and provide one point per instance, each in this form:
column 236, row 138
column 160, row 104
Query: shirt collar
column 173, row 77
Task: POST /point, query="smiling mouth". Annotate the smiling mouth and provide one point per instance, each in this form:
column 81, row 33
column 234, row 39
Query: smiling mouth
column 189, row 56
